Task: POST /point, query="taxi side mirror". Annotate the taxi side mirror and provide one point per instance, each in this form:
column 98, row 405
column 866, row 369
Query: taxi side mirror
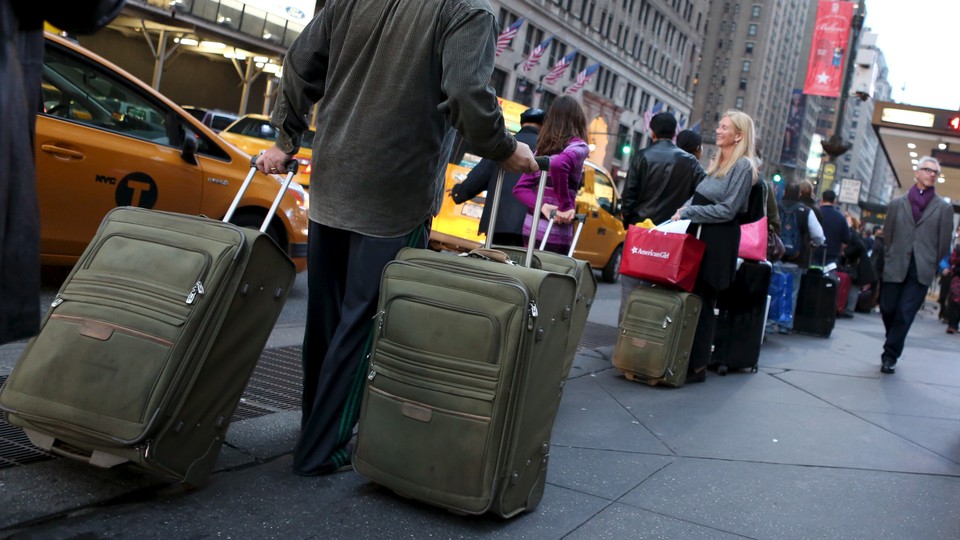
column 188, row 151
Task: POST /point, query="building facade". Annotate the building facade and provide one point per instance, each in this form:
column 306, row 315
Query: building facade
column 750, row 62
column 645, row 54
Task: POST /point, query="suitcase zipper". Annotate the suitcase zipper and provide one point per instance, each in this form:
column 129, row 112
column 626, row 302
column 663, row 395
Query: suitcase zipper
column 197, row 290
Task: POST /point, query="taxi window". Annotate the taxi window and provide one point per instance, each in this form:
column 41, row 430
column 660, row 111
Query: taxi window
column 604, row 192
column 84, row 92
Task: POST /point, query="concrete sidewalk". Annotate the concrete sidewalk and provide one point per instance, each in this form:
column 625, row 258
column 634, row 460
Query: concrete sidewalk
column 818, row 444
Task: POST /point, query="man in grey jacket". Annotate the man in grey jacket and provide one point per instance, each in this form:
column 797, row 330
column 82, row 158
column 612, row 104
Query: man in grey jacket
column 917, row 231
column 390, row 78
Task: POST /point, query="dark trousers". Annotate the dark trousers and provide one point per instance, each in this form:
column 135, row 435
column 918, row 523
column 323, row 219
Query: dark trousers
column 343, row 284
column 899, row 304
column 706, row 325
column 953, row 314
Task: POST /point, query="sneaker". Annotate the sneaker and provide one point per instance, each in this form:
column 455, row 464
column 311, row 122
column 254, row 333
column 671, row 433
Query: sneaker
column 951, row 330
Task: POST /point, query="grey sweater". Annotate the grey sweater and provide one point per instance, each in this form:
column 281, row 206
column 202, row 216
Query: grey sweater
column 729, row 195
column 390, row 77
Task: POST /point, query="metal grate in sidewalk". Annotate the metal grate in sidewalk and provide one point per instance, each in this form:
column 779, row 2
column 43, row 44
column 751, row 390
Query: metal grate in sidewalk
column 597, row 335
column 15, row 447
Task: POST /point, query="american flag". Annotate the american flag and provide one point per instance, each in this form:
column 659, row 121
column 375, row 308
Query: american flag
column 561, row 66
column 647, row 116
column 582, row 79
column 505, row 37
column 536, row 53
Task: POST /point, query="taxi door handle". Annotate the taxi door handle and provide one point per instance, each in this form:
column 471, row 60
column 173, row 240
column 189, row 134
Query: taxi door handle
column 61, row 152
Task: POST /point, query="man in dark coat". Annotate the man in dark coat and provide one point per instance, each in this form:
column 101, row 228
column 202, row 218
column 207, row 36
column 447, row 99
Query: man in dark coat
column 509, row 227
column 661, row 178
column 21, row 60
column 835, row 228
column 917, row 231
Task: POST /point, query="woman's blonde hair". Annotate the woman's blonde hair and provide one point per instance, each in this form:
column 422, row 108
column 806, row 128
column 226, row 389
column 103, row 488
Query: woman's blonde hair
column 747, row 147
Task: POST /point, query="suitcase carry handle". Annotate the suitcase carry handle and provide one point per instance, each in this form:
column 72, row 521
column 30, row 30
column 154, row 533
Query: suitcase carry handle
column 291, row 167
column 581, row 219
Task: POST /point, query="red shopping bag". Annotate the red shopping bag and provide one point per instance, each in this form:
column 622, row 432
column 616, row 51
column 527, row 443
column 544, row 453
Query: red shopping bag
column 671, row 259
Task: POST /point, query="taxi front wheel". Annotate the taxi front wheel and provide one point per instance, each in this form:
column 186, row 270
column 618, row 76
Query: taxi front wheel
column 611, row 272
column 254, row 221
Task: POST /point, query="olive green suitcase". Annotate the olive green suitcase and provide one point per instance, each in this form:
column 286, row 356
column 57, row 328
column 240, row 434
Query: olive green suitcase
column 151, row 340
column 465, row 380
column 579, row 269
column 656, row 336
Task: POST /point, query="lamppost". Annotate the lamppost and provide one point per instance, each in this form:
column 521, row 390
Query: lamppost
column 835, row 146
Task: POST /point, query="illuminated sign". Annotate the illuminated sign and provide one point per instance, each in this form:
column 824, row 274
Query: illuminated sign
column 907, row 117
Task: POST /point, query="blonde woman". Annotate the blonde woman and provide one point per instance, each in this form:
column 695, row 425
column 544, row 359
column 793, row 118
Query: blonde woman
column 715, row 206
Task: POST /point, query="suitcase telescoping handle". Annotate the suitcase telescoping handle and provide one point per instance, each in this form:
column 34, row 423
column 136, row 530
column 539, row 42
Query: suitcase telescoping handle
column 291, row 167
column 544, row 163
column 581, row 219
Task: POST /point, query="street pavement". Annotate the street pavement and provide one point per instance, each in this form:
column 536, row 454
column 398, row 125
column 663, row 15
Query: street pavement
column 817, row 444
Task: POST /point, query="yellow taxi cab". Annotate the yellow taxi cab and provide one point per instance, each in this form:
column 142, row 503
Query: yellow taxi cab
column 105, row 139
column 456, row 226
column 253, row 134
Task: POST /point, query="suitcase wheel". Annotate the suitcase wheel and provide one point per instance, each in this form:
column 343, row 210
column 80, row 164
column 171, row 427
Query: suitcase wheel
column 722, row 370
column 628, row 375
column 754, row 369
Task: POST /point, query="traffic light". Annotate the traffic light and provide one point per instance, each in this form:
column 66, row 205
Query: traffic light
column 777, row 177
column 626, row 150
column 954, row 123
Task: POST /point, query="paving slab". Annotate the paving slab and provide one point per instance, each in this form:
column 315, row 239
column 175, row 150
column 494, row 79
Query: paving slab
column 787, row 501
column 620, row 521
column 590, row 418
column 603, row 473
column 333, row 507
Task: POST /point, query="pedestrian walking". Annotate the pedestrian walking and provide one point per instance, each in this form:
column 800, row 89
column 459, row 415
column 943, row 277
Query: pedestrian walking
column 508, row 230
column 714, row 208
column 376, row 178
column 917, row 234
column 563, row 138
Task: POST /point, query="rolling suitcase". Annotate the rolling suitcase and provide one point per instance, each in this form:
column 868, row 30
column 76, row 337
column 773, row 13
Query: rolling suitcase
column 843, row 291
column 656, row 335
column 146, row 350
column 465, row 379
column 816, row 311
column 586, row 284
column 742, row 318
column 781, row 298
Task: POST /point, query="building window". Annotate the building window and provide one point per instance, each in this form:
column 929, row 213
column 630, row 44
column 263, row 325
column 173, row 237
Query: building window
column 756, row 12
column 743, row 84
column 746, row 66
column 749, row 49
column 752, row 30
column 498, row 80
column 739, row 103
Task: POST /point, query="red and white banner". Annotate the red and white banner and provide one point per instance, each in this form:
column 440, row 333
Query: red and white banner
column 828, row 48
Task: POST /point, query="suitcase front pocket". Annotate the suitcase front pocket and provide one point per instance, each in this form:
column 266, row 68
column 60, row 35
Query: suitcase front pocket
column 93, row 374
column 433, row 450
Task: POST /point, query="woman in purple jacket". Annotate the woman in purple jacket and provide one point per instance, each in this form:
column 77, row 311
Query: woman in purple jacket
column 563, row 139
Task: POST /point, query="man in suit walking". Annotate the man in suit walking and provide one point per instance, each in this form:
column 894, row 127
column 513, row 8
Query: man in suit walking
column 508, row 230
column 917, row 231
